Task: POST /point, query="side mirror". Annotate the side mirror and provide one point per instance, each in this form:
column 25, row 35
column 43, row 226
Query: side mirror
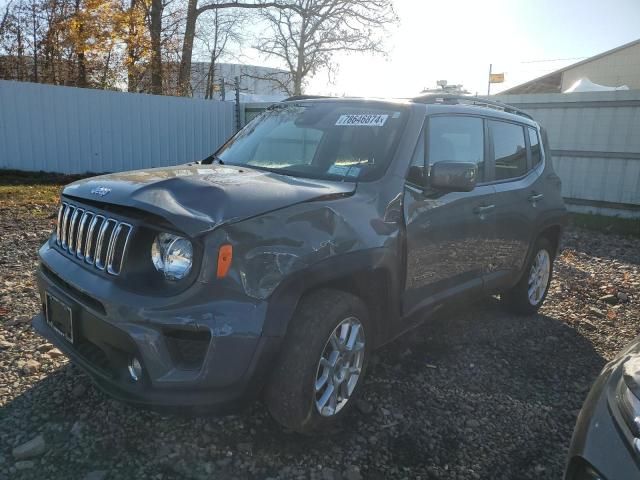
column 417, row 175
column 454, row 176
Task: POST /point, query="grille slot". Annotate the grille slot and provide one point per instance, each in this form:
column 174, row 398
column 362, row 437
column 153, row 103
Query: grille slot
column 98, row 240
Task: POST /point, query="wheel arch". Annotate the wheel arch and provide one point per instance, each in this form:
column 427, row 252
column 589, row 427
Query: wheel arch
column 552, row 233
column 370, row 275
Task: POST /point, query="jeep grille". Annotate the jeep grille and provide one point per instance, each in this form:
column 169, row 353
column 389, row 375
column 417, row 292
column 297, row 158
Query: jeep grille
column 97, row 240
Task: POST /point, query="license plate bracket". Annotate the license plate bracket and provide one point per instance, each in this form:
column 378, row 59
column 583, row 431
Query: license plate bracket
column 59, row 317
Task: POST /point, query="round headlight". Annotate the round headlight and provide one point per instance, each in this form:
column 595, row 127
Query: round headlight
column 172, row 255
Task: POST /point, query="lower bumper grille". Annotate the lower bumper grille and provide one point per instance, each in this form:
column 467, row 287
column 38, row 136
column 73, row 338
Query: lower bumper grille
column 187, row 348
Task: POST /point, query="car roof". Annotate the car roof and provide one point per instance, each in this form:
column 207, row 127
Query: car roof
column 374, row 100
column 435, row 104
column 479, row 110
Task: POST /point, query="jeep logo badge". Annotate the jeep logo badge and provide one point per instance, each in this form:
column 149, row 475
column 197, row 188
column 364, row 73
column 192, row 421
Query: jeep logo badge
column 102, row 191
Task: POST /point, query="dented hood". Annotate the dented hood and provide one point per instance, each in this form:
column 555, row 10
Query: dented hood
column 197, row 198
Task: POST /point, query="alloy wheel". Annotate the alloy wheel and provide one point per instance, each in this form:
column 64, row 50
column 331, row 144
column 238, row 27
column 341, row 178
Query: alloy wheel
column 340, row 367
column 539, row 277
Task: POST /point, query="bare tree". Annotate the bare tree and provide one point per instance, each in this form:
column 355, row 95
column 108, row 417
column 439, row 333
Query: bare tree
column 218, row 29
column 5, row 18
column 155, row 30
column 19, row 41
column 192, row 14
column 305, row 37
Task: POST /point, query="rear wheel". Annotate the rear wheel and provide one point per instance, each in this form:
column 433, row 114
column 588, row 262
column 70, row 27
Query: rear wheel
column 322, row 364
column 530, row 292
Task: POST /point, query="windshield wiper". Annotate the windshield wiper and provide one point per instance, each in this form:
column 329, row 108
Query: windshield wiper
column 213, row 157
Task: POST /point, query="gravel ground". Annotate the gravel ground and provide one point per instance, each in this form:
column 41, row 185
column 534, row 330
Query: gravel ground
column 475, row 393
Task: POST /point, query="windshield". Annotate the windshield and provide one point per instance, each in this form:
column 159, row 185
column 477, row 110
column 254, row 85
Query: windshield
column 331, row 141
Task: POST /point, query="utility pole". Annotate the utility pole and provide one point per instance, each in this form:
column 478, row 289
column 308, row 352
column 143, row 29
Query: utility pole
column 489, row 82
column 238, row 120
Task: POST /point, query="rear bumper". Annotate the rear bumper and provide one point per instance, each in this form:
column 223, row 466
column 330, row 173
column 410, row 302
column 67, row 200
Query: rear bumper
column 222, row 371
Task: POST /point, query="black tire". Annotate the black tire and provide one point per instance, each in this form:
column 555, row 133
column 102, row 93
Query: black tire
column 290, row 395
column 517, row 298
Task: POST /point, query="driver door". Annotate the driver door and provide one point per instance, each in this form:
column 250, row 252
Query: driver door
column 448, row 233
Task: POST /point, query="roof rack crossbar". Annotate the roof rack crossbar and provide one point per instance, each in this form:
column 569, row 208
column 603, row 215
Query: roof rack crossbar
column 462, row 99
column 304, row 97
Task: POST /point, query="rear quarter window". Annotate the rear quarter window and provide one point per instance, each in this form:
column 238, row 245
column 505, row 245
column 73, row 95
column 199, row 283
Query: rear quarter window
column 534, row 141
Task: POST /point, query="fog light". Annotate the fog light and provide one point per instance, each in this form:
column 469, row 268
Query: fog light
column 135, row 369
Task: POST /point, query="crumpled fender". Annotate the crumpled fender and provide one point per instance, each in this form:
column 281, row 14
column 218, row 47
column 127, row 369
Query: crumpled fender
column 271, row 247
column 280, row 255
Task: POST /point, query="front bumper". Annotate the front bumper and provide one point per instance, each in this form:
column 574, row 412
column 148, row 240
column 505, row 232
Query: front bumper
column 602, row 443
column 112, row 326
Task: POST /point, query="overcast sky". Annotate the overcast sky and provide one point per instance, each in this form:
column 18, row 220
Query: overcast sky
column 456, row 40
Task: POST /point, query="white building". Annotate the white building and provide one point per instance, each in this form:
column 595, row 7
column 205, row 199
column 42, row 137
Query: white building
column 613, row 68
column 255, row 81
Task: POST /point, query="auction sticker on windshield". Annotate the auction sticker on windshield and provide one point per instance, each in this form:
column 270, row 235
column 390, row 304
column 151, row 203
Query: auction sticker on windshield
column 367, row 120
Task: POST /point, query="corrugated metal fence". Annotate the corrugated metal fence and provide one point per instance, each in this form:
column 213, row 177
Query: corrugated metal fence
column 595, row 142
column 76, row 130
column 595, row 137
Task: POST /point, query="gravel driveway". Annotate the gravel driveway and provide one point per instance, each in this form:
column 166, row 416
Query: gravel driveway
column 475, row 393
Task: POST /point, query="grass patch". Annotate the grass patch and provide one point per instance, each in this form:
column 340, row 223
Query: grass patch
column 20, row 189
column 601, row 223
column 25, row 195
column 18, row 177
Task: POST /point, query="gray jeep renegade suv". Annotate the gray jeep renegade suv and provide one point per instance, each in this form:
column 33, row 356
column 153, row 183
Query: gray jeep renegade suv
column 323, row 229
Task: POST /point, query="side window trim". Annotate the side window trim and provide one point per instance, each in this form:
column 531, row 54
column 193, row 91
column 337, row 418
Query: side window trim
column 543, row 140
column 527, row 146
column 422, row 135
column 489, row 161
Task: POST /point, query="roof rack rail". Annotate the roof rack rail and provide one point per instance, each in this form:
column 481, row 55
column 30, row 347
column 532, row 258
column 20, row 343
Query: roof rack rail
column 304, row 97
column 468, row 100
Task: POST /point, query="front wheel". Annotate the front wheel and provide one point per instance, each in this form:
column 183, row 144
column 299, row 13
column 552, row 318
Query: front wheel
column 530, row 292
column 322, row 363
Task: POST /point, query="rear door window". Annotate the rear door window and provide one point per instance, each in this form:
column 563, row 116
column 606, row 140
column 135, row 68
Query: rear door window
column 510, row 151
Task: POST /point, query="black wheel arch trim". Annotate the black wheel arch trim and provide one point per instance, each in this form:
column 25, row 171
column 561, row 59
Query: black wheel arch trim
column 330, row 273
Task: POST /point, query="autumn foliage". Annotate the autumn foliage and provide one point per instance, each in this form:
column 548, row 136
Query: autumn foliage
column 148, row 45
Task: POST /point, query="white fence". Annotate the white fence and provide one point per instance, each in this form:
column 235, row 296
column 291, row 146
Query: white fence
column 595, row 137
column 595, row 142
column 76, row 130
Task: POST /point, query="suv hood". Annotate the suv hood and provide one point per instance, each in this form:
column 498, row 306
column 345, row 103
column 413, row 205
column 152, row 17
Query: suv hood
column 197, row 198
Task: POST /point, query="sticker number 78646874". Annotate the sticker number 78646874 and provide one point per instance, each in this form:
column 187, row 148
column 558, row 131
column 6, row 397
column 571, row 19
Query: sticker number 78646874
column 364, row 120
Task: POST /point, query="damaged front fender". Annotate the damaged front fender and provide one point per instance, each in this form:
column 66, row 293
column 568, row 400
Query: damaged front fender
column 271, row 247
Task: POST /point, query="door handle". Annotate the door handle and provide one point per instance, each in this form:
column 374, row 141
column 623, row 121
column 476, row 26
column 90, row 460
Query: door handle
column 483, row 209
column 535, row 197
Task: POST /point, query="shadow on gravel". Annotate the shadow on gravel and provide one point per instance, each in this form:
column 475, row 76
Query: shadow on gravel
column 472, row 394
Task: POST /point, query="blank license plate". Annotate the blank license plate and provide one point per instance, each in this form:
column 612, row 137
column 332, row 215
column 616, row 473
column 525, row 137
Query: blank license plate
column 59, row 317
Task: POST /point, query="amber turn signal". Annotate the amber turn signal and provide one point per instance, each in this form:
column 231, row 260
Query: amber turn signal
column 225, row 255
